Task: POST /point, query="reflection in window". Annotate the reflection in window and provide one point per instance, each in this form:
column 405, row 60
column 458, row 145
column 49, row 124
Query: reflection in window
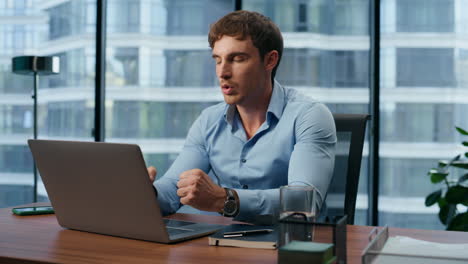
column 430, row 67
column 351, row 17
column 193, row 68
column 11, row 83
column 300, row 67
column 66, row 119
column 137, row 119
column 29, row 27
column 15, row 158
column 15, row 119
column 122, row 67
column 431, row 15
column 423, row 122
column 123, row 16
column 188, row 17
column 70, row 18
column 349, row 69
column 73, row 72
column 462, row 68
column 339, row 17
column 399, row 176
column 310, row 67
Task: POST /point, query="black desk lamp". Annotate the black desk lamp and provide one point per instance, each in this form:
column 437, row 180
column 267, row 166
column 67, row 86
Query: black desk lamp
column 35, row 65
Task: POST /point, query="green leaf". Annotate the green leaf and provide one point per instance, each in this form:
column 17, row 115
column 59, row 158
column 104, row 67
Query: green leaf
column 466, row 154
column 433, row 197
column 465, row 143
column 463, row 178
column 446, row 213
column 444, row 163
column 437, row 175
column 461, row 131
column 442, row 202
column 459, row 223
column 457, row 194
column 460, row 164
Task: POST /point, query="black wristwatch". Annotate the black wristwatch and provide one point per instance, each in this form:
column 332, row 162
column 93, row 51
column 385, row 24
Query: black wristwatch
column 231, row 204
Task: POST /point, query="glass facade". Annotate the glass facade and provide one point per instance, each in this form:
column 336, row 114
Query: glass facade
column 160, row 76
column 65, row 101
column 423, row 72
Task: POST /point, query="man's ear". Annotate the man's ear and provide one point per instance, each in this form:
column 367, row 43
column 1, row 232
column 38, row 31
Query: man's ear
column 271, row 59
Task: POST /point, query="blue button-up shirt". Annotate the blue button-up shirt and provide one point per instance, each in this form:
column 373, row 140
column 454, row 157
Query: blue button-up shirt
column 295, row 145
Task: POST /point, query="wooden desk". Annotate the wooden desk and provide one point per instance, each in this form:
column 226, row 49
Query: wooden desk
column 39, row 239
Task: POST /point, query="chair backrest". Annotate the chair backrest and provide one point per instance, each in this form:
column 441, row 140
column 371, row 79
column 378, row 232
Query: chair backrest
column 342, row 193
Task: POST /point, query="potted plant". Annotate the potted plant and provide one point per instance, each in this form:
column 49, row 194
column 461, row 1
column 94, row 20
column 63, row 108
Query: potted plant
column 452, row 197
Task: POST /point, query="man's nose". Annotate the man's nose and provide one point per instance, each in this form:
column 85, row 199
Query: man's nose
column 224, row 71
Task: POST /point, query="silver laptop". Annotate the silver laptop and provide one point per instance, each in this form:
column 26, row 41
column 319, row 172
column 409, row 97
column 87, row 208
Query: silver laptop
column 104, row 188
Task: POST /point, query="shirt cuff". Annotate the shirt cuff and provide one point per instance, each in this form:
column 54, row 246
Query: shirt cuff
column 257, row 202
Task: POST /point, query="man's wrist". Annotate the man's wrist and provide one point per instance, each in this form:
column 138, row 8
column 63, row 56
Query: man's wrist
column 231, row 204
column 220, row 202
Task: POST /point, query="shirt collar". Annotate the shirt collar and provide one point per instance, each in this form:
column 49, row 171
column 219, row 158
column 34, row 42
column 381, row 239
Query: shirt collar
column 277, row 100
column 275, row 106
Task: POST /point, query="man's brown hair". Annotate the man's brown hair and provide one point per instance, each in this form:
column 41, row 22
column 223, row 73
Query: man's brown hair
column 265, row 35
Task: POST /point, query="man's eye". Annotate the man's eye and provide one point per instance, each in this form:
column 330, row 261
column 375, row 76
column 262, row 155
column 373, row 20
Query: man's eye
column 239, row 58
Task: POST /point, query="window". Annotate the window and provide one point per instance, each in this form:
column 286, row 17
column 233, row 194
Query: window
column 182, row 70
column 187, row 17
column 123, row 16
column 425, row 15
column 65, row 101
column 160, row 79
column 423, row 122
column 420, row 105
column 300, row 67
column 425, row 67
column 122, row 66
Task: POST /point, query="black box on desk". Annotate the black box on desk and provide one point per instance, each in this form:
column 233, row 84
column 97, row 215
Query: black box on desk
column 327, row 231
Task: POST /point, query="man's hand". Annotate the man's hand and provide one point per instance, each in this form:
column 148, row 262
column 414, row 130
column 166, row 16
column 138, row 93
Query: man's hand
column 152, row 173
column 199, row 191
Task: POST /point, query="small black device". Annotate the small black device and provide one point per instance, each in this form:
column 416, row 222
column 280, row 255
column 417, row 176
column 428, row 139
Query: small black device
column 33, row 210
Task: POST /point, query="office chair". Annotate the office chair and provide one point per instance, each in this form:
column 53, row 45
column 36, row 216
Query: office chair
column 342, row 192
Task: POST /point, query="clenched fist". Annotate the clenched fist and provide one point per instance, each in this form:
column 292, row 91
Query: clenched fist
column 195, row 188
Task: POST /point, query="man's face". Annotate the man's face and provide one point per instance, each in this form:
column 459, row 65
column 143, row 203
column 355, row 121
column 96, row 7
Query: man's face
column 241, row 72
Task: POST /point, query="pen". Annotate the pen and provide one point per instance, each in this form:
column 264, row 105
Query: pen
column 246, row 232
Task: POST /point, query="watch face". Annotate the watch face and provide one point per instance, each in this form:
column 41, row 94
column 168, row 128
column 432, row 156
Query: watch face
column 230, row 207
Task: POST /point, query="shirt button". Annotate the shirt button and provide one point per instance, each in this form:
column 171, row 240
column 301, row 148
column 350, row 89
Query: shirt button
column 243, row 160
column 245, row 186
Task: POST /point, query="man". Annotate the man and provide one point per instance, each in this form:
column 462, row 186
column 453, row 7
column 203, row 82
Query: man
column 238, row 153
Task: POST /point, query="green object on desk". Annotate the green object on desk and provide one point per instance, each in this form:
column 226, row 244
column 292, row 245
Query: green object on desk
column 299, row 252
column 33, row 210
